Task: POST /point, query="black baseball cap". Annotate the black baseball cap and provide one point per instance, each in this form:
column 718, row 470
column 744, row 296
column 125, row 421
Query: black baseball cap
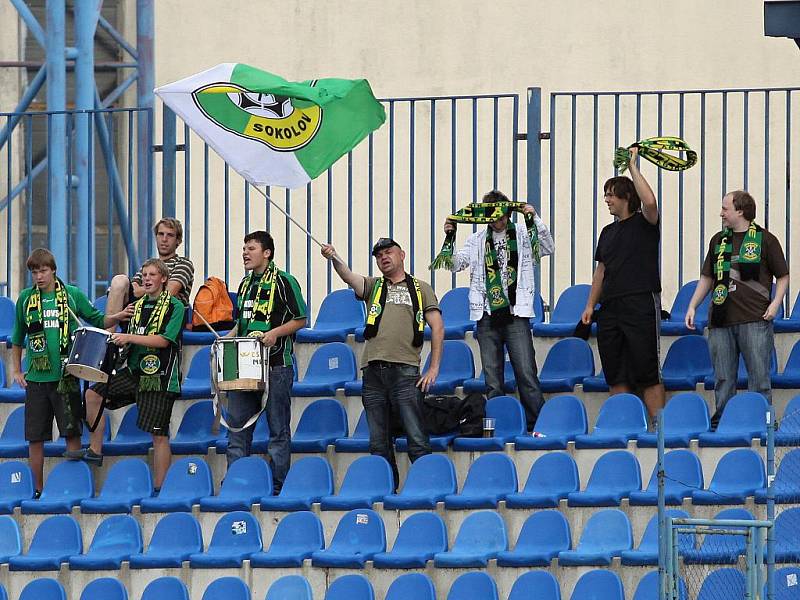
column 382, row 244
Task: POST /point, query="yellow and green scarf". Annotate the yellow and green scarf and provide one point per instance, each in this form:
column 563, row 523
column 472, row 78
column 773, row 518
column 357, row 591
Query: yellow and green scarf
column 155, row 363
column 265, row 297
column 749, row 264
column 652, row 149
column 377, row 303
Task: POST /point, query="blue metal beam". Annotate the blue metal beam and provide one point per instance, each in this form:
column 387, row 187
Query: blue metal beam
column 144, row 127
column 30, row 21
column 57, row 133
column 20, row 187
column 117, row 36
column 119, row 90
column 27, row 97
column 168, row 162
column 86, row 15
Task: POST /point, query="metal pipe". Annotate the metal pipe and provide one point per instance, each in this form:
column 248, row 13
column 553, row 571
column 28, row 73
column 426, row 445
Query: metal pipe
column 29, row 94
column 144, row 99
column 168, row 160
column 86, row 14
column 56, row 132
column 70, row 54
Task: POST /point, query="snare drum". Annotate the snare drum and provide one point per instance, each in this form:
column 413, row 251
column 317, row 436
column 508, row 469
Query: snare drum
column 92, row 356
column 242, row 364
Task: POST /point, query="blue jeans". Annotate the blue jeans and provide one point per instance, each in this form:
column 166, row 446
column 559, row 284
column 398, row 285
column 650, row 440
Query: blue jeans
column 243, row 405
column 515, row 335
column 754, row 341
column 390, row 393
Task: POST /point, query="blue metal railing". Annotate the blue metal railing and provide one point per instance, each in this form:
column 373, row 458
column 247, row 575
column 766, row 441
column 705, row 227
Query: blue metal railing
column 728, row 128
column 28, row 202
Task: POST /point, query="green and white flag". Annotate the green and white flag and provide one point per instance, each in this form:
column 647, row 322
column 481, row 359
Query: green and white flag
column 273, row 131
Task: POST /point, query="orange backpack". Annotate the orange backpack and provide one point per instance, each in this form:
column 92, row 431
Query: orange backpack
column 214, row 304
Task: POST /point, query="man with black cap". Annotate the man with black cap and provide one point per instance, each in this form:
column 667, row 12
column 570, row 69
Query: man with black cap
column 398, row 306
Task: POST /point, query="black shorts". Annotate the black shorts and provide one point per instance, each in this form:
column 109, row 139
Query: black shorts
column 628, row 339
column 43, row 403
column 155, row 408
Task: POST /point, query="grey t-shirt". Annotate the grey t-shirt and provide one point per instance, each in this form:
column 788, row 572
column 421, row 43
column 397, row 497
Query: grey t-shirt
column 394, row 340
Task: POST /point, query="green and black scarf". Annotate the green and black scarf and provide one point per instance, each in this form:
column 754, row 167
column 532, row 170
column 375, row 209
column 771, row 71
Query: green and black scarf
column 482, row 213
column 156, row 364
column 749, row 264
column 499, row 303
column 264, row 300
column 38, row 359
column 652, row 149
column 377, row 302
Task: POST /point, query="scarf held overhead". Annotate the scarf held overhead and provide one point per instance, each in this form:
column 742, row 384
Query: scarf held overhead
column 653, row 149
column 482, row 213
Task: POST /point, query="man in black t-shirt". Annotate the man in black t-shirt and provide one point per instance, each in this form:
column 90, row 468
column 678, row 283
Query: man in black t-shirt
column 740, row 265
column 627, row 283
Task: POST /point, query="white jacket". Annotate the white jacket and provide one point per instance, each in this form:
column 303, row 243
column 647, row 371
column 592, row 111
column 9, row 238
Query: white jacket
column 472, row 256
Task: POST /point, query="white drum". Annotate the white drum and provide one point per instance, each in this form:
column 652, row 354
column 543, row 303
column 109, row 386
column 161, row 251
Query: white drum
column 242, row 364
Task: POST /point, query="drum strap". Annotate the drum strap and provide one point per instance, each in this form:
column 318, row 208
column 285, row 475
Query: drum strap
column 218, row 413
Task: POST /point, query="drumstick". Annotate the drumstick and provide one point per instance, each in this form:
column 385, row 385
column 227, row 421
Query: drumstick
column 74, row 316
column 218, row 336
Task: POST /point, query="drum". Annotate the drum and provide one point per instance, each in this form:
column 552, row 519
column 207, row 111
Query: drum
column 92, row 356
column 242, row 364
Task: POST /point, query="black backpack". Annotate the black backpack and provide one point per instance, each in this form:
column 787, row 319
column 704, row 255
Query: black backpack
column 473, row 410
column 445, row 414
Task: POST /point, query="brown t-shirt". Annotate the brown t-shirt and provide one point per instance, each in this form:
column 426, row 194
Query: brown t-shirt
column 394, row 340
column 748, row 300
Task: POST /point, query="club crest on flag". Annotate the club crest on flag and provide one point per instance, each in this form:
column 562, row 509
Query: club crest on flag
column 282, row 123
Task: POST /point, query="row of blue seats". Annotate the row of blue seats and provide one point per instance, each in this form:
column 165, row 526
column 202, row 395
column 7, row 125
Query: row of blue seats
column 360, row 536
column 431, row 479
column 598, row 583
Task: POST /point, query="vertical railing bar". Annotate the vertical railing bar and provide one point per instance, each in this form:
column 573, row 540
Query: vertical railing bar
column 495, row 140
column 788, row 179
column 552, row 184
column 724, row 169
column 411, row 217
column 350, row 208
column 29, row 191
column 205, row 214
column 9, row 188
column 453, row 159
column 391, row 170
column 288, row 233
column 595, row 172
column 227, row 221
column 268, row 213
column 71, row 267
column 660, row 180
column 474, row 150
column 187, row 195
column 433, row 189
column 371, row 198
column 702, row 159
column 131, row 167
column 573, row 184
column 745, row 136
column 515, row 153
column 329, row 188
column 681, row 106
column 309, row 270
column 246, row 206
column 766, row 175
column 638, row 117
column 616, row 127
column 92, row 220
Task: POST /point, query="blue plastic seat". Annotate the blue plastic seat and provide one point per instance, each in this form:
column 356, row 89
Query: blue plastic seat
column 552, row 478
column 321, row 424
column 738, row 474
column 165, row 587
column 236, row 536
column 7, row 316
column 509, row 423
column 10, row 540
column 116, row 538
column 440, row 442
column 290, row 587
column 127, row 482
column 421, row 536
column 339, row 315
column 595, row 383
column 455, row 314
column 473, row 586
column 194, row 435
column 367, row 481
column 786, row 484
column 560, row 420
column 175, row 537
column 688, row 363
column 677, row 315
column 544, row 583
column 598, row 584
column 647, row 588
column 544, row 534
column 16, row 485
column 489, row 479
column 350, row 587
column 14, row 393
column 538, row 309
column 55, row 540
column 308, row 480
column 354, row 388
column 227, row 588
column 787, row 536
column 621, row 418
column 606, row 534
column 129, row 439
column 68, row 483
column 456, row 366
column 481, row 536
column 566, row 365
column 743, row 419
column 615, row 476
column 331, row 366
column 358, row 441
column 478, row 384
column 12, row 439
column 646, row 554
column 247, row 480
column 296, row 538
column 57, row 447
column 430, row 478
column 790, row 377
column 43, row 589
column 684, row 474
column 105, row 588
column 187, row 480
column 722, row 549
column 197, row 383
column 566, row 314
column 411, row 585
column 785, row 582
column 359, row 536
column 741, row 372
column 790, row 324
column 685, row 419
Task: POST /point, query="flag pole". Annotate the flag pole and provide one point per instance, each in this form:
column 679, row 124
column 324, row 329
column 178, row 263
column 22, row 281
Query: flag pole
column 288, row 216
